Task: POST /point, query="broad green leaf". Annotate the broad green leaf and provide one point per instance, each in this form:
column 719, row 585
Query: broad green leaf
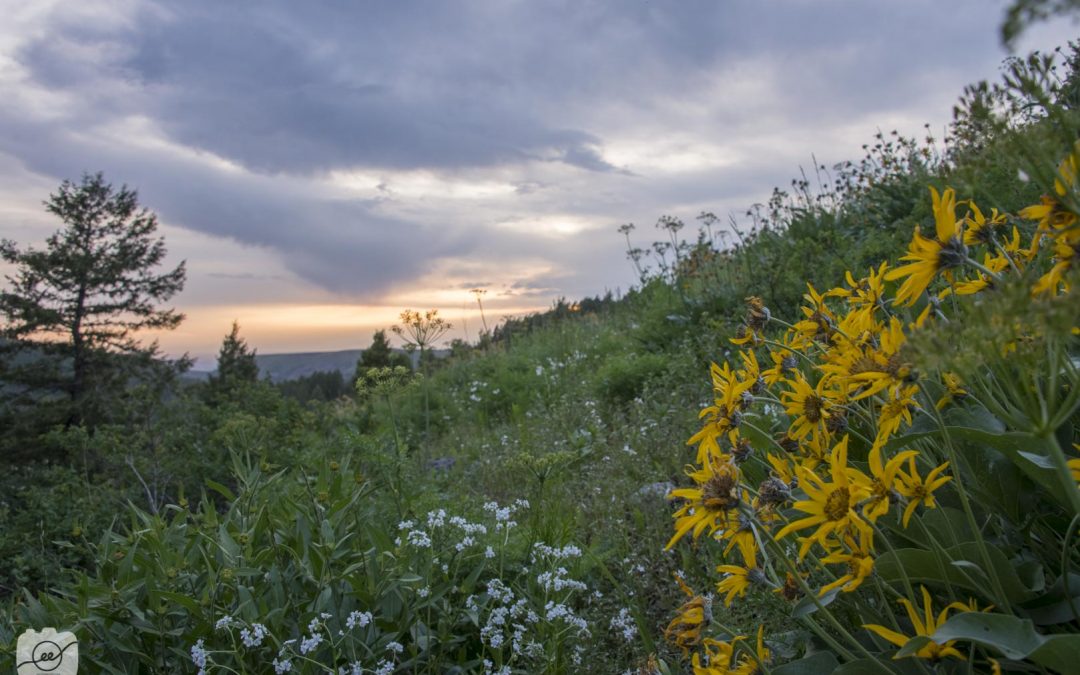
column 1014, row 637
column 815, row 664
column 922, row 566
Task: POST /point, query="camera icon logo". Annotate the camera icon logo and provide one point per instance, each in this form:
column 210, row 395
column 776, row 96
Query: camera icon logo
column 47, row 652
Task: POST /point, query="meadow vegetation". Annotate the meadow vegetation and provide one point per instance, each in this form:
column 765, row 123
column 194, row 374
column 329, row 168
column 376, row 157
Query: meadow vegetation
column 878, row 374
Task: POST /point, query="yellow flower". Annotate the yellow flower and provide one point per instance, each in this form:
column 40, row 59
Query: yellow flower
column 740, row 533
column 719, row 658
column 832, row 506
column 996, row 264
column 1050, row 212
column 810, row 406
column 736, row 580
column 1066, row 256
column 923, row 625
column 896, row 409
column 864, row 296
column 918, row 490
column 883, row 487
column 978, row 229
column 819, row 324
column 713, row 499
column 732, row 397
column 954, row 390
column 784, row 361
column 859, row 559
column 692, row 617
column 929, row 256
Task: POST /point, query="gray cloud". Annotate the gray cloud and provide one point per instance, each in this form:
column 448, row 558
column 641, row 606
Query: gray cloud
column 539, row 97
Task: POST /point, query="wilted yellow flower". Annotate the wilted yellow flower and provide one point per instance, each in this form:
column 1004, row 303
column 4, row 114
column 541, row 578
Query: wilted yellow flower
column 692, row 617
column 737, row 578
column 719, row 658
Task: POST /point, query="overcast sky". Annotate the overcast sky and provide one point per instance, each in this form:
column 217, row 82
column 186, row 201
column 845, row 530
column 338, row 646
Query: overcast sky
column 323, row 165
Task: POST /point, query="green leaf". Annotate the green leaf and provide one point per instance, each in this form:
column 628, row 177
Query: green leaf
column 1014, row 637
column 220, row 489
column 923, row 566
column 807, row 606
column 1052, row 607
column 815, row 664
column 913, row 645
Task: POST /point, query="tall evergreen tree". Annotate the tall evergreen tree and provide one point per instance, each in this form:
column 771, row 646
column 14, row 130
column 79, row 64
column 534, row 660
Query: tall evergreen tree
column 379, row 355
column 236, row 363
column 71, row 311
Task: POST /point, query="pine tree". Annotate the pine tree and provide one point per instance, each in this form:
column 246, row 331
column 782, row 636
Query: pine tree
column 379, row 355
column 71, row 311
column 236, row 363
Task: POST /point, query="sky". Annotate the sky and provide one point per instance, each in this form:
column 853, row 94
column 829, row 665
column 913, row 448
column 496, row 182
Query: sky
column 322, row 166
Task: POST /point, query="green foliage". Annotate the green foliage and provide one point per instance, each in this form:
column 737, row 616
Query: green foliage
column 621, row 380
column 322, row 386
column 93, row 287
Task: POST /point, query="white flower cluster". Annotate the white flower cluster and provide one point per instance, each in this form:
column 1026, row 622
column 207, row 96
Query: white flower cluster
column 436, row 519
column 489, row 669
column 466, row 526
column 224, row 623
column 511, row 621
column 254, row 636
column 542, row 550
column 198, row 656
column 358, row 619
column 503, row 514
column 624, row 623
column 385, row 667
column 419, row 539
column 309, row 644
column 553, row 612
column 558, row 581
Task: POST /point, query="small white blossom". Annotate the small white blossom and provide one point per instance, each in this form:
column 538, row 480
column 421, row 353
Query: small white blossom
column 253, row 637
column 358, row 619
column 198, row 655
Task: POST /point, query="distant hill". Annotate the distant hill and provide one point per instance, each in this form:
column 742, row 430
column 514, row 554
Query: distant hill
column 281, row 367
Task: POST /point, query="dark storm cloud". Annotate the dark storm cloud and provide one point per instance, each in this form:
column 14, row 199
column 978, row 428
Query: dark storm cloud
column 290, row 91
